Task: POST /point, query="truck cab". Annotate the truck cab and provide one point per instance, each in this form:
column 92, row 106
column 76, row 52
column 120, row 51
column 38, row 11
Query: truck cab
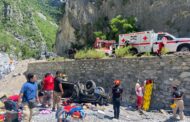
column 171, row 43
column 149, row 41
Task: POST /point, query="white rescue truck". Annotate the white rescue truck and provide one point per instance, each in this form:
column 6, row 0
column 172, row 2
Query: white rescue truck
column 148, row 41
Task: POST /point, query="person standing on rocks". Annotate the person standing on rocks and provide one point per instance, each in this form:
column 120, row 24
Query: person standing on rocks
column 178, row 101
column 58, row 90
column 48, row 87
column 117, row 97
column 28, row 95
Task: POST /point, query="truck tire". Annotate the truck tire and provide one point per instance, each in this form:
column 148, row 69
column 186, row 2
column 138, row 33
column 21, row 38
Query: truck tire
column 101, row 101
column 100, row 90
column 184, row 48
column 133, row 51
column 90, row 85
column 75, row 93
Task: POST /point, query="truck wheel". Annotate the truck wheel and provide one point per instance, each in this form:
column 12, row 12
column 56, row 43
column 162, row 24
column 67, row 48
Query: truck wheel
column 184, row 48
column 90, row 85
column 75, row 93
column 101, row 101
column 100, row 90
column 133, row 51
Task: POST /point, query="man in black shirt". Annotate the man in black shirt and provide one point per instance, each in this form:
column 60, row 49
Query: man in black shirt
column 116, row 97
column 178, row 100
column 58, row 90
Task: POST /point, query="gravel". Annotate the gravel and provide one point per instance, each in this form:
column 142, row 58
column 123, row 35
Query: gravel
column 125, row 116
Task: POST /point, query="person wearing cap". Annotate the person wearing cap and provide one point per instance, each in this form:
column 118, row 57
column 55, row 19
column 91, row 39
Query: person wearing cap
column 116, row 97
column 58, row 90
column 178, row 101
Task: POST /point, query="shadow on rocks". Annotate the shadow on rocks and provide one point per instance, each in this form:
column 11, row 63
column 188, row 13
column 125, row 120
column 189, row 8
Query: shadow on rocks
column 108, row 117
column 171, row 119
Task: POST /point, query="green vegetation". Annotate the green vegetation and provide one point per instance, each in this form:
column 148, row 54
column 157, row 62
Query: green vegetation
column 120, row 25
column 48, row 31
column 111, row 29
column 123, row 52
column 89, row 54
column 100, row 35
column 23, row 30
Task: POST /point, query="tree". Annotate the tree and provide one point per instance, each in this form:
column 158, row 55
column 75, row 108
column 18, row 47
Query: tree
column 116, row 26
column 120, row 25
column 100, row 35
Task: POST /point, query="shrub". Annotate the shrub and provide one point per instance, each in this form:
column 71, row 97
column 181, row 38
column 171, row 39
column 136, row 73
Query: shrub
column 89, row 54
column 100, row 35
column 93, row 54
column 147, row 54
column 123, row 51
column 80, row 54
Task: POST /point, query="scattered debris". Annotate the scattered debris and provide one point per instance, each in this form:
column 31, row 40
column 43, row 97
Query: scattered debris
column 163, row 112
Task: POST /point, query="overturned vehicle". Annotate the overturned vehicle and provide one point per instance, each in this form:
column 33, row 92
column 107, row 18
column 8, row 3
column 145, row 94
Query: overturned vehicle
column 86, row 92
column 83, row 92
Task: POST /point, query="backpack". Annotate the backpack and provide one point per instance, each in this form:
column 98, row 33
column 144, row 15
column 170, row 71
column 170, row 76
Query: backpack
column 11, row 105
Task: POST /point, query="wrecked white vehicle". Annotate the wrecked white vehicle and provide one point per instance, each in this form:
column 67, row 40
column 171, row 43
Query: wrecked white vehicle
column 86, row 92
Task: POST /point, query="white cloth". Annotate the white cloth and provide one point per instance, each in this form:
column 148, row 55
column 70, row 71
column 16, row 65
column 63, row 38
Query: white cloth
column 139, row 91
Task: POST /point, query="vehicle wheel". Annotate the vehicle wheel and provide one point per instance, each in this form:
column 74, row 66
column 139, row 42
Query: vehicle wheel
column 91, row 92
column 90, row 85
column 133, row 51
column 184, row 48
column 100, row 90
column 101, row 102
column 75, row 93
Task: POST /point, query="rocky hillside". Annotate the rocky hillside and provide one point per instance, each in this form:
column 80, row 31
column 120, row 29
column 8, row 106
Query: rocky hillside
column 28, row 27
column 82, row 18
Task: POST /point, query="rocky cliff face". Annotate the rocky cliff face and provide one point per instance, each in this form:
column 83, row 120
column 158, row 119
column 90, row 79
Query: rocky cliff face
column 77, row 24
column 28, row 28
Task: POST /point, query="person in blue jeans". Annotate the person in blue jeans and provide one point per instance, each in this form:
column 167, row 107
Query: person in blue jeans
column 28, row 96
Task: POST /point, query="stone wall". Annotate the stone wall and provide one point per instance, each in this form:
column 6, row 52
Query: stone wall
column 165, row 72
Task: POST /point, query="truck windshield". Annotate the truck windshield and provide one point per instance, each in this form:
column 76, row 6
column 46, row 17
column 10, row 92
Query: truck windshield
column 160, row 36
column 168, row 36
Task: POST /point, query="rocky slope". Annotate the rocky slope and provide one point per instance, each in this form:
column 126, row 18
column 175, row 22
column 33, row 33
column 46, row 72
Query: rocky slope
column 81, row 16
column 11, row 83
column 28, row 28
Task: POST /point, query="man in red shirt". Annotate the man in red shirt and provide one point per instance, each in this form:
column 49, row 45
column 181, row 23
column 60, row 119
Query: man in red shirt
column 48, row 87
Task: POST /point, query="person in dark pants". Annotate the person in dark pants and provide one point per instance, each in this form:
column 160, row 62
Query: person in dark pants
column 116, row 97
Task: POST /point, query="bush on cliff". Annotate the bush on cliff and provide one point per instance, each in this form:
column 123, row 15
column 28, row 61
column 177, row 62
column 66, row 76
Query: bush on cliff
column 89, row 54
column 123, row 52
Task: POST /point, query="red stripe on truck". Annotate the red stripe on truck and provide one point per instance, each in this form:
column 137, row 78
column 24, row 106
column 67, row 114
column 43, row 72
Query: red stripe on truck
column 178, row 41
column 147, row 43
column 140, row 44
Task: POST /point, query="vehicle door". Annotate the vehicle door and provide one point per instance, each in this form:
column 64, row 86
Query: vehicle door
column 157, row 41
column 171, row 43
